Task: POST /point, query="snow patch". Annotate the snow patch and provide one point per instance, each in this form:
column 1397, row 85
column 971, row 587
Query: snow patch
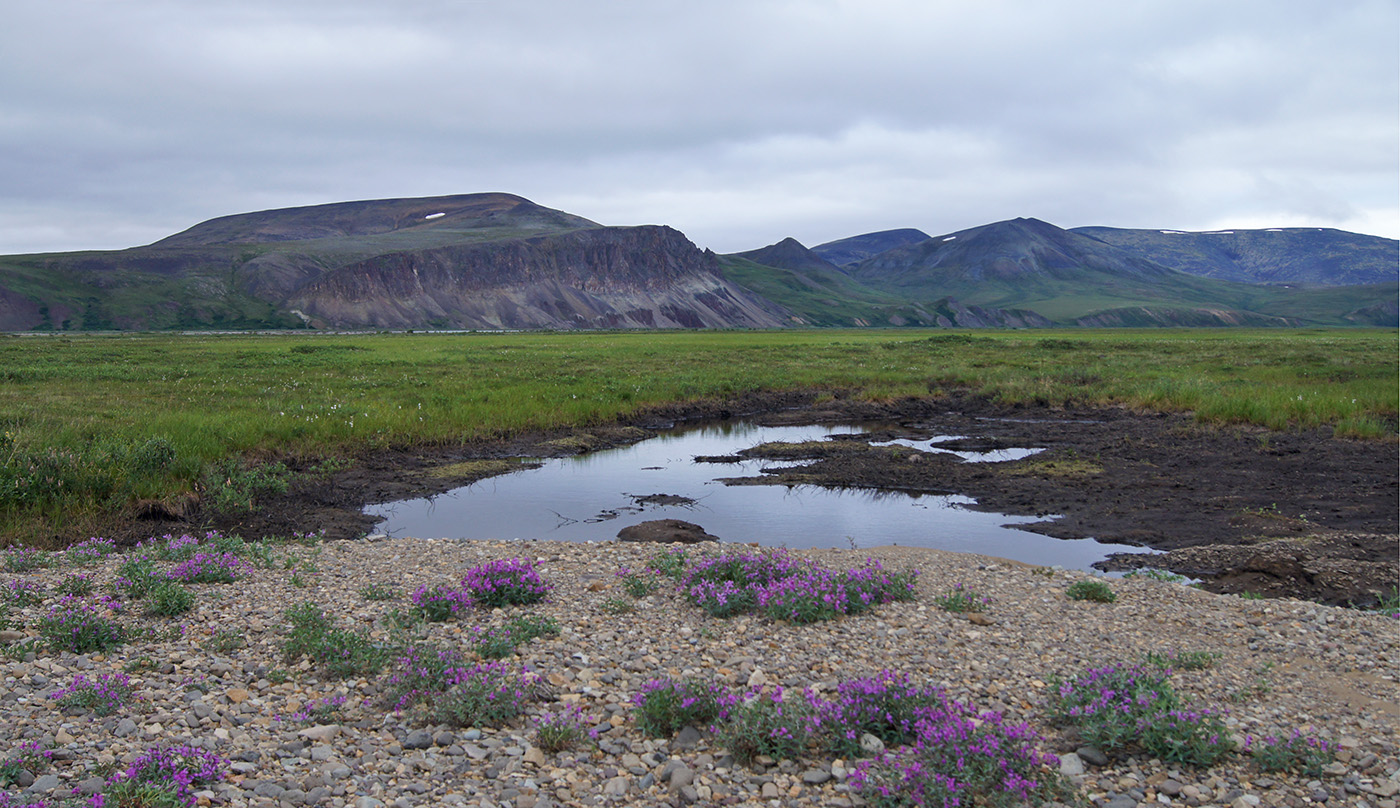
column 1274, row 230
column 950, row 238
column 1220, row 233
column 1172, row 232
column 434, row 216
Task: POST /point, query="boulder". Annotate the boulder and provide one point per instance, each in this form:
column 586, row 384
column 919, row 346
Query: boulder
column 666, row 531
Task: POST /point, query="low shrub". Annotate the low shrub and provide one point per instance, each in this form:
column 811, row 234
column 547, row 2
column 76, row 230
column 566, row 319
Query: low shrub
column 440, row 603
column 209, row 568
column 447, row 690
column 887, row 706
column 1122, row 707
column 664, row 706
column 961, row 599
column 556, row 732
column 169, row 599
column 27, row 757
column 103, row 695
column 1300, row 753
column 78, row 626
column 504, row 582
column 766, row 724
column 160, row 777
column 1096, row 591
column 21, row 592
column 340, row 653
column 90, row 551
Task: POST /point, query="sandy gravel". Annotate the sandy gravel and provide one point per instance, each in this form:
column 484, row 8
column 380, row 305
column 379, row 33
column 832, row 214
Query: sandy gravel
column 1284, row 665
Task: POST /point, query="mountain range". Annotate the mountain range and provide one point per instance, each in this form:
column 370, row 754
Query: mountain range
column 498, row 261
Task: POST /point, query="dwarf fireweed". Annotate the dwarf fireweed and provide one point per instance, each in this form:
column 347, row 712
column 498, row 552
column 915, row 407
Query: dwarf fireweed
column 90, row 551
column 887, row 706
column 162, row 776
column 25, row 559
column 28, row 756
column 103, row 695
column 440, row 603
column 767, row 723
column 783, row 587
column 1119, row 707
column 209, row 568
column 961, row 758
column 555, row 732
column 79, row 626
column 664, row 706
column 449, row 691
column 1298, row 752
column 21, row 592
column 504, row 582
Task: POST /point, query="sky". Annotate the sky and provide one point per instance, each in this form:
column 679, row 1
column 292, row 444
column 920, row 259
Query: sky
column 737, row 122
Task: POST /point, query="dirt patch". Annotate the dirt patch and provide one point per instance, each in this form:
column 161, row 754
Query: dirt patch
column 1146, row 479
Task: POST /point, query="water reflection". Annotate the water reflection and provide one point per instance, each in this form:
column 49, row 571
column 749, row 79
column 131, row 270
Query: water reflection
column 592, row 497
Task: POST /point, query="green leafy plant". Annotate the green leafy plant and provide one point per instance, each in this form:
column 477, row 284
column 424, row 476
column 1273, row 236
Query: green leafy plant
column 339, row 652
column 169, row 599
column 377, row 591
column 766, row 724
column 557, row 732
column 225, row 642
column 961, row 599
column 664, row 706
column 1096, row 591
column 1301, row 753
column 619, row 606
column 1151, row 574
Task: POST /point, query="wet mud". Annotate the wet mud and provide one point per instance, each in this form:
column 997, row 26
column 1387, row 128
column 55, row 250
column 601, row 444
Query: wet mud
column 1299, row 514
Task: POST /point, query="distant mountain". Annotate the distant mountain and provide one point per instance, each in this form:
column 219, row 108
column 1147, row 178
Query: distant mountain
column 499, row 261
column 1295, row 256
column 470, row 261
column 847, row 251
column 1073, row 278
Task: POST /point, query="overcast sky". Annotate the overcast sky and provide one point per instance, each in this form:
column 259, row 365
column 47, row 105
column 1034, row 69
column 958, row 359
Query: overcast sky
column 738, row 122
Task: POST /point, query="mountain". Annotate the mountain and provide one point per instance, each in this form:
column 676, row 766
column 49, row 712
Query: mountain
column 1295, row 256
column 815, row 292
column 847, row 251
column 470, row 261
column 1068, row 276
column 499, row 261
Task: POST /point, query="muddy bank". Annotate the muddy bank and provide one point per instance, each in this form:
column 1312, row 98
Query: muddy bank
column 1152, row 480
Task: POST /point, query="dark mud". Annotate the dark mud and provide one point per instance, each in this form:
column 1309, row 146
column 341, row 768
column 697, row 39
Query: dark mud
column 1225, row 500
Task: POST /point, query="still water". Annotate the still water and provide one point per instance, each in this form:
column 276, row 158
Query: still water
column 591, row 497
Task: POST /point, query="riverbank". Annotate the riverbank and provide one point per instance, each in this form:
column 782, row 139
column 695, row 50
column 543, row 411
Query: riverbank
column 217, row 677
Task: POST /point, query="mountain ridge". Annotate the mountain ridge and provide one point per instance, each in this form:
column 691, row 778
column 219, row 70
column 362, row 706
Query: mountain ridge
column 497, row 260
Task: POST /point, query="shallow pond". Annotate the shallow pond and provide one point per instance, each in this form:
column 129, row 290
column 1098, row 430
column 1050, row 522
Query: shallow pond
column 591, row 497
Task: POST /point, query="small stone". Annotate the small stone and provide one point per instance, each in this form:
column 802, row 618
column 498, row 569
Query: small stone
column 616, row 787
column 1071, row 765
column 323, row 732
column 1170, row 787
column 768, row 791
column 758, row 678
column 125, row 728
column 1121, row 801
column 1335, row 769
column 815, row 777
column 418, row 739
column 687, row 738
column 238, row 695
column 47, row 782
column 871, row 746
column 681, row 776
column 11, row 636
column 534, row 756
column 1092, row 756
column 979, row 619
column 62, row 737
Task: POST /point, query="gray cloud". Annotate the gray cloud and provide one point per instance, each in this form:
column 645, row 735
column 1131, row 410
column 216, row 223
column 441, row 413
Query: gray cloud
column 737, row 122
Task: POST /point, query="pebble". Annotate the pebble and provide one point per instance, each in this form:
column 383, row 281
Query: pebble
column 242, row 705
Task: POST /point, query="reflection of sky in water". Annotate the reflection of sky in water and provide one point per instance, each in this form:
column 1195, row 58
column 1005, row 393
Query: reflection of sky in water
column 590, row 498
column 926, row 445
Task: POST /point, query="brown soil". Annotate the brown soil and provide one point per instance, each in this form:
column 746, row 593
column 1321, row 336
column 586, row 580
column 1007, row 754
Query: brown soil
column 1300, row 514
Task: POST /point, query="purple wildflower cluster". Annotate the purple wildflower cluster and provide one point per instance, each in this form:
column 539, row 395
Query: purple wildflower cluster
column 441, row 602
column 784, row 587
column 450, row 691
column 666, row 705
column 767, row 723
column 962, row 757
column 28, row 756
column 555, row 732
column 103, row 695
column 90, row 550
column 78, row 626
column 1119, row 707
column 887, row 706
column 25, row 559
column 505, row 582
column 1297, row 752
column 961, row 599
column 173, row 771
column 209, row 568
column 21, row 592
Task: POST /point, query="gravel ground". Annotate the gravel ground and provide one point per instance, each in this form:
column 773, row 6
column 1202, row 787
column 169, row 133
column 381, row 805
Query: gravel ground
column 1284, row 665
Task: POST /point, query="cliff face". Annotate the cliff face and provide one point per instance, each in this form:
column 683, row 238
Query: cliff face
column 619, row 277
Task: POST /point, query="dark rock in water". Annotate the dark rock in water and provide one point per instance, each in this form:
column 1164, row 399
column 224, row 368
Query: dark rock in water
column 666, row 531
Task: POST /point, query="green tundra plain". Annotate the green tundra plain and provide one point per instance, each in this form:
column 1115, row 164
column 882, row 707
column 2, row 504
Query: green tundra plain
column 89, row 425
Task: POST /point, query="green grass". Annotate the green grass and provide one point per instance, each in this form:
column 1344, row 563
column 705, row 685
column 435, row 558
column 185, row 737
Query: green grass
column 120, row 418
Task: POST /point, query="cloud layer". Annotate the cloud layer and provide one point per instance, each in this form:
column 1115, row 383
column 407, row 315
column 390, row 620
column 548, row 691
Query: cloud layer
column 738, row 122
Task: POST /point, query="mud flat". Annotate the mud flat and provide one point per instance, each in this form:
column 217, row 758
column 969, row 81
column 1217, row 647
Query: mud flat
column 1297, row 514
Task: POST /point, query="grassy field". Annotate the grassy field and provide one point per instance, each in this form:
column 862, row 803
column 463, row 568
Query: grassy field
column 93, row 423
